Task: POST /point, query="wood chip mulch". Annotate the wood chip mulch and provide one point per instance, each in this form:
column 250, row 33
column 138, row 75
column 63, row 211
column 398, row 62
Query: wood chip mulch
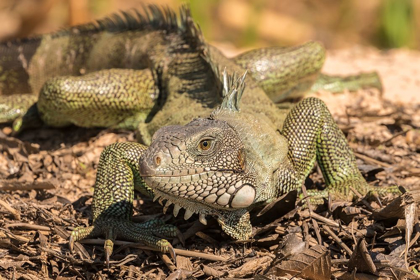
column 46, row 184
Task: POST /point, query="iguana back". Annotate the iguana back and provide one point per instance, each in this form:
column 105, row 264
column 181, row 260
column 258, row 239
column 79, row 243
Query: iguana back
column 142, row 72
column 125, row 41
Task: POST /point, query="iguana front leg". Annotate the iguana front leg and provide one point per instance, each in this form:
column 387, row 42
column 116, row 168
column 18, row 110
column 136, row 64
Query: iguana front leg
column 313, row 136
column 21, row 109
column 113, row 196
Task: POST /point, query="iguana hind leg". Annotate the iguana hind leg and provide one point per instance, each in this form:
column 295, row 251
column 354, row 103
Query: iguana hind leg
column 287, row 74
column 14, row 106
column 120, row 98
column 113, row 196
column 284, row 73
column 313, row 136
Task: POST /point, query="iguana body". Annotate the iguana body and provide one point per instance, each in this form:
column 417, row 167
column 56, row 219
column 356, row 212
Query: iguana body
column 134, row 71
column 222, row 166
column 156, row 71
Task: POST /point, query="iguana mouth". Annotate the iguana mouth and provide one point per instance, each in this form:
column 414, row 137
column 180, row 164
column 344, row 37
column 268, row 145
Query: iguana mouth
column 190, row 207
column 223, row 190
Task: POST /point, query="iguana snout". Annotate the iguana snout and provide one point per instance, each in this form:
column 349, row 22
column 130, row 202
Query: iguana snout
column 200, row 167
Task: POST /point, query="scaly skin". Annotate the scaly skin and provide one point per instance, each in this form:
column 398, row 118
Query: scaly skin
column 223, row 166
column 112, row 205
column 96, row 92
column 13, row 107
column 168, row 75
column 272, row 67
column 235, row 159
column 172, row 70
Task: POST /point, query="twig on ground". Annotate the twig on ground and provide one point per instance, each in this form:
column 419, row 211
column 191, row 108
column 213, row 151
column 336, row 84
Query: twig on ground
column 14, row 185
column 314, row 222
column 28, row 226
column 168, row 262
column 394, row 136
column 307, row 214
column 9, row 208
column 372, row 160
column 337, row 240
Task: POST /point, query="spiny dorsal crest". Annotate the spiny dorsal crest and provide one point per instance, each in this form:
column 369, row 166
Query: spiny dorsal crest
column 233, row 88
column 153, row 17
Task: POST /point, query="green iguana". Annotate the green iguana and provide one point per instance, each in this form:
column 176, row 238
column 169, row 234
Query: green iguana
column 151, row 71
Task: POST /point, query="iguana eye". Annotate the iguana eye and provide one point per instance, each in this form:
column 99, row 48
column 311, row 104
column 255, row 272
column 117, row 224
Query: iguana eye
column 205, row 144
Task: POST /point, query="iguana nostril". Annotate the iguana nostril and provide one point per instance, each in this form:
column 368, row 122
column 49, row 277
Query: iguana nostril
column 158, row 160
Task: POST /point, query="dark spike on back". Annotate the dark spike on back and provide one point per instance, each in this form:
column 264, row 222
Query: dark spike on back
column 151, row 18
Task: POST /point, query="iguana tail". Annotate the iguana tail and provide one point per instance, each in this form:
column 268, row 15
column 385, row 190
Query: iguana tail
column 336, row 84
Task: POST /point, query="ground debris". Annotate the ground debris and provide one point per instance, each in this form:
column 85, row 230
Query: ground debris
column 46, row 180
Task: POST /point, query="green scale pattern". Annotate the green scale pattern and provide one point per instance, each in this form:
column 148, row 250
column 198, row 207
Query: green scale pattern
column 313, row 136
column 112, row 206
column 147, row 71
column 99, row 99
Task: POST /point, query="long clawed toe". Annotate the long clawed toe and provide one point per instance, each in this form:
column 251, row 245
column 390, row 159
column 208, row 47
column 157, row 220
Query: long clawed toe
column 81, row 233
column 151, row 233
column 108, row 247
column 378, row 193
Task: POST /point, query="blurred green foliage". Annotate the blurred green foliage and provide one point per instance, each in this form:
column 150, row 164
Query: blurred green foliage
column 243, row 23
column 397, row 24
column 394, row 21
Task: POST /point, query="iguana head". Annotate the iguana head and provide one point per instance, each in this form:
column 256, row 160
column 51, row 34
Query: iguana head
column 213, row 166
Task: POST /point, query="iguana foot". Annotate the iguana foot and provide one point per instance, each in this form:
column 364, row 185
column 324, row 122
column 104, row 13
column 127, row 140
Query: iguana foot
column 113, row 202
column 236, row 223
column 351, row 189
column 150, row 233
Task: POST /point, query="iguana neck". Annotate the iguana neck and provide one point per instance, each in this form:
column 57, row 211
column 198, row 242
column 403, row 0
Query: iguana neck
column 264, row 147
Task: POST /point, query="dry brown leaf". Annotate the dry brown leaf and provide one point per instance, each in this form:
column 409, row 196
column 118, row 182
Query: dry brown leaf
column 393, row 265
column 313, row 263
column 251, row 267
column 360, row 260
column 209, row 271
column 395, row 209
column 292, row 245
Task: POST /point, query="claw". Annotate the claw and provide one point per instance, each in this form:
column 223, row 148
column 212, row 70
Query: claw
column 71, row 243
column 79, row 234
column 108, row 246
column 377, row 198
column 107, row 259
column 171, row 251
